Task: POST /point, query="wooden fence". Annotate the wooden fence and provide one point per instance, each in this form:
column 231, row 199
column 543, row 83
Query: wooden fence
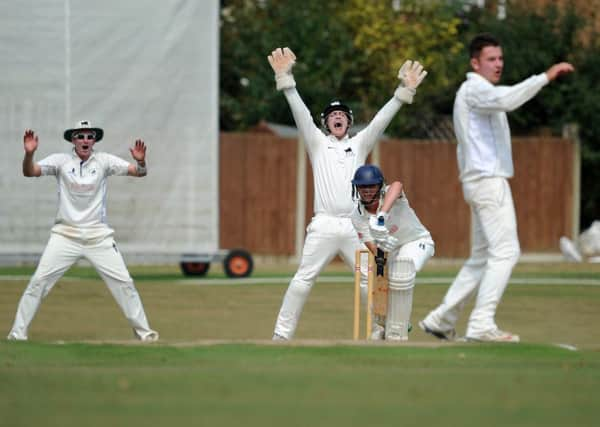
column 259, row 208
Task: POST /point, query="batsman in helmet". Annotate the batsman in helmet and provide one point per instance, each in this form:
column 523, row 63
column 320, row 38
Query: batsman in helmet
column 385, row 222
column 334, row 156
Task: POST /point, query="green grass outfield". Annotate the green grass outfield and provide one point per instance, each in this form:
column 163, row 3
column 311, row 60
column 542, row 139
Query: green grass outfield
column 215, row 365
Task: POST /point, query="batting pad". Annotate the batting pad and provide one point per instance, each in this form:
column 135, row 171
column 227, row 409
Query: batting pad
column 401, row 286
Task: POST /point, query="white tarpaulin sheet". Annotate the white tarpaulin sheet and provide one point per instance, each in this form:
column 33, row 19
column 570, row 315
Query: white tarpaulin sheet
column 136, row 68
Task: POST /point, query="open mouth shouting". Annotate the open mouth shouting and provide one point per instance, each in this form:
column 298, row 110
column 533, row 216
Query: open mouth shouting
column 84, row 142
column 337, row 123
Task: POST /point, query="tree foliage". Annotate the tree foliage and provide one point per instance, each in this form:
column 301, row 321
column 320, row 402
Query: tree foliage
column 251, row 29
column 385, row 37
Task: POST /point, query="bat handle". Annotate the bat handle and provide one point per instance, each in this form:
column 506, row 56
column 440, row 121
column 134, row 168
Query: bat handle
column 380, row 253
column 380, row 261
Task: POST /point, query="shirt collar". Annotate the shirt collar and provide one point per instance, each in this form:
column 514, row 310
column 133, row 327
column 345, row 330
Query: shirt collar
column 75, row 156
column 476, row 76
column 333, row 139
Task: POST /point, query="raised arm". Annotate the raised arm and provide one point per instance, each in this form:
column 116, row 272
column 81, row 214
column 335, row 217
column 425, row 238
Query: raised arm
column 282, row 60
column 411, row 74
column 138, row 152
column 486, row 97
column 558, row 70
column 30, row 144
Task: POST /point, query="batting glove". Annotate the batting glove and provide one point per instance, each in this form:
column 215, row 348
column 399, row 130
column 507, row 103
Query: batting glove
column 389, row 244
column 282, row 60
column 379, row 232
column 411, row 74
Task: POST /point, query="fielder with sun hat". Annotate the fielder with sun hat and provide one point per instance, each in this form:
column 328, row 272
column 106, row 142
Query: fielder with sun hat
column 80, row 229
column 334, row 156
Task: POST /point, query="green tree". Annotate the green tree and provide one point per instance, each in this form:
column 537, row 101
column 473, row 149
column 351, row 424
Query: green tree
column 251, row 29
column 385, row 37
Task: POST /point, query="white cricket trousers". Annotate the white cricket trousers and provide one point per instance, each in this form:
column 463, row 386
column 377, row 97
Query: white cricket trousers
column 326, row 237
column 419, row 251
column 494, row 252
column 60, row 254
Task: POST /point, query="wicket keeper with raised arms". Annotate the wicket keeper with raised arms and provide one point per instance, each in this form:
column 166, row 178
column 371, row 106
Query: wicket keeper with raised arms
column 80, row 228
column 485, row 165
column 334, row 157
column 385, row 220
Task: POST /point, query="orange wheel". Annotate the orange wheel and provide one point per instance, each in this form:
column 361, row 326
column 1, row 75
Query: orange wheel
column 238, row 263
column 195, row 268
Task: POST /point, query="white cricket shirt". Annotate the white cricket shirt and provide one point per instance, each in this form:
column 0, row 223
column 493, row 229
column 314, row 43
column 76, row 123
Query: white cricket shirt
column 402, row 222
column 335, row 161
column 82, row 186
column 481, row 127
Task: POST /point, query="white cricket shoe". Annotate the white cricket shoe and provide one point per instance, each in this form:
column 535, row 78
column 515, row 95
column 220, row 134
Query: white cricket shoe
column 569, row 251
column 441, row 335
column 377, row 332
column 149, row 337
column 14, row 337
column 495, row 335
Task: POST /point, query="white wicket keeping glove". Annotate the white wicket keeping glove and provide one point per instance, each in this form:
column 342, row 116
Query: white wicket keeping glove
column 389, row 244
column 379, row 232
column 282, row 60
column 411, row 74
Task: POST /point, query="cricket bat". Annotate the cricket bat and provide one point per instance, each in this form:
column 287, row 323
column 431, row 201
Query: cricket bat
column 380, row 287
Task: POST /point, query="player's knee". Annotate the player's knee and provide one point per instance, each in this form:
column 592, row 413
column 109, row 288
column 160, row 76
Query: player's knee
column 402, row 273
column 508, row 251
column 37, row 288
column 300, row 287
column 515, row 253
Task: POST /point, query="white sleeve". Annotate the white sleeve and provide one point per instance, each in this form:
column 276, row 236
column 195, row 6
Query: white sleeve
column 485, row 97
column 50, row 164
column 371, row 134
column 361, row 225
column 309, row 132
column 114, row 165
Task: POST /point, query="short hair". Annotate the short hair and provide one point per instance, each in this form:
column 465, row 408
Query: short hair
column 481, row 41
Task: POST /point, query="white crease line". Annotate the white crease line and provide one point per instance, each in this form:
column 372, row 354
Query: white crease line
column 425, row 280
column 338, row 279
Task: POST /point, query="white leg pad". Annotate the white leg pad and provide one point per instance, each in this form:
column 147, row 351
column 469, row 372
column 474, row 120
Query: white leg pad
column 401, row 275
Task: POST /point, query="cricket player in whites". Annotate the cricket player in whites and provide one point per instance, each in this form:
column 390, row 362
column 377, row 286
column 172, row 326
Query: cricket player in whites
column 485, row 164
column 80, row 229
column 384, row 220
column 334, row 156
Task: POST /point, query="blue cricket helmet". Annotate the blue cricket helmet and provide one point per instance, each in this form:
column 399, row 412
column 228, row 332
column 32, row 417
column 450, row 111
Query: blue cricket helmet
column 367, row 175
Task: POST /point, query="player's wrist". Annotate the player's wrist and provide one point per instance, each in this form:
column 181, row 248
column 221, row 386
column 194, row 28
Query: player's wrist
column 285, row 81
column 140, row 168
column 404, row 94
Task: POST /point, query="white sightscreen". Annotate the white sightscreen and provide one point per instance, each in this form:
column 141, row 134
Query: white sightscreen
column 137, row 68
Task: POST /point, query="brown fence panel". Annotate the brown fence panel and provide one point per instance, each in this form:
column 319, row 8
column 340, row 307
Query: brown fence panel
column 543, row 191
column 257, row 192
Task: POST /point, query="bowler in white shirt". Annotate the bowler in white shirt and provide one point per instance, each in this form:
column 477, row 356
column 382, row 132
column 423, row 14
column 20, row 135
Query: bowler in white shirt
column 485, row 165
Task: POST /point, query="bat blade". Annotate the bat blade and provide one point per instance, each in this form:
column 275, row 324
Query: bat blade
column 380, row 287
